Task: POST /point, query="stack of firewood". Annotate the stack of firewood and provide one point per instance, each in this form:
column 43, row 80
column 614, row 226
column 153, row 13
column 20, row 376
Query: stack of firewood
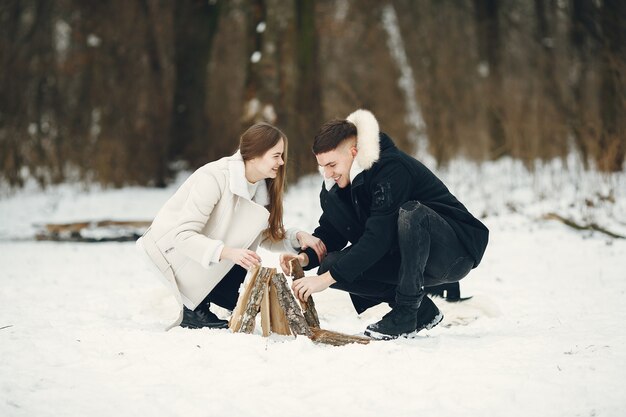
column 268, row 292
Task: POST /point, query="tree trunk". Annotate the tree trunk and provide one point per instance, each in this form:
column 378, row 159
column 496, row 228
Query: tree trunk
column 195, row 24
column 282, row 83
column 613, row 86
column 553, row 111
column 582, row 33
column 307, row 111
column 490, row 55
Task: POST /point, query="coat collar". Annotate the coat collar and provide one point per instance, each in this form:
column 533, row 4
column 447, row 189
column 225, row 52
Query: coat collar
column 367, row 144
column 238, row 184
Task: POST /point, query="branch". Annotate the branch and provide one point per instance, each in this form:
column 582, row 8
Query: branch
column 574, row 225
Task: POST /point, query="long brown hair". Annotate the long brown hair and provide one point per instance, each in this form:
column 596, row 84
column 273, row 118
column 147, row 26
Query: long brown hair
column 254, row 142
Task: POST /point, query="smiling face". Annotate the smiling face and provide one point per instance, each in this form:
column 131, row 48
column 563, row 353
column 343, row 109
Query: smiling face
column 266, row 165
column 337, row 162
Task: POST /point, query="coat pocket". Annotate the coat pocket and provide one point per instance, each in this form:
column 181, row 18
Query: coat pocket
column 176, row 259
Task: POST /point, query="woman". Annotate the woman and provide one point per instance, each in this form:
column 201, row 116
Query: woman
column 204, row 238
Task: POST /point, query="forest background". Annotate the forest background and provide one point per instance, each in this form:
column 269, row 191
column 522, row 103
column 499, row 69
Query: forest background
column 129, row 92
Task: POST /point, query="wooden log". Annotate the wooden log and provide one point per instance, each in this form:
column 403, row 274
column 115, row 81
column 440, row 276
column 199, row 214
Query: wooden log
column 115, row 231
column 308, row 306
column 77, row 237
column 265, row 312
column 286, row 301
column 242, row 300
column 296, row 269
column 78, row 226
column 124, row 223
column 278, row 320
column 335, row 338
column 254, row 303
column 66, row 227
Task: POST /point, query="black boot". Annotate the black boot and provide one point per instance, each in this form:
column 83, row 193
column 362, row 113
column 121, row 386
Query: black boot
column 201, row 317
column 428, row 315
column 400, row 321
column 450, row 292
column 406, row 321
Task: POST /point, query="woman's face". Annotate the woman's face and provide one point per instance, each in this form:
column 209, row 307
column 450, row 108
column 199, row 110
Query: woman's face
column 267, row 165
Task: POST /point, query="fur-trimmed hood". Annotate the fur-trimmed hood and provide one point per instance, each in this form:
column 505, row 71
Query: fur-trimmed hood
column 367, row 144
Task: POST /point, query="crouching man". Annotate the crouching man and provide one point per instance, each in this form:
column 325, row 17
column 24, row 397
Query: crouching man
column 406, row 231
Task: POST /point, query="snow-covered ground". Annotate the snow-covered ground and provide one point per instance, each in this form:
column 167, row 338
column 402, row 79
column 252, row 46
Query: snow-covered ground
column 81, row 325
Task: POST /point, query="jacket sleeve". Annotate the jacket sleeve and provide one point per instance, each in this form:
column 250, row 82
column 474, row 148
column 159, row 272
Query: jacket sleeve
column 389, row 188
column 204, row 194
column 288, row 244
column 331, row 237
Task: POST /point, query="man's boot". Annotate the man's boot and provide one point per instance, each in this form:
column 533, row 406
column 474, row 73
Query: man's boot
column 400, row 321
column 406, row 321
column 201, row 317
column 450, row 292
column 428, row 315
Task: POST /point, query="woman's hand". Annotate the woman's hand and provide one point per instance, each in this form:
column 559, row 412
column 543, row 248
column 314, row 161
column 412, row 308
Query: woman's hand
column 245, row 258
column 304, row 287
column 307, row 240
column 286, row 257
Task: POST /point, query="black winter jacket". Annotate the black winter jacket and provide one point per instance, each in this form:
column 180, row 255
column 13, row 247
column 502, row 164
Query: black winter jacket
column 366, row 213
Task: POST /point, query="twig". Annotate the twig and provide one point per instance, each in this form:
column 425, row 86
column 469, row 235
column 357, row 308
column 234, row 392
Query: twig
column 574, row 225
column 6, row 327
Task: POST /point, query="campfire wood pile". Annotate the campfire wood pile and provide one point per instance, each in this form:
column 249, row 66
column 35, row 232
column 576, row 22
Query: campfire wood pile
column 268, row 292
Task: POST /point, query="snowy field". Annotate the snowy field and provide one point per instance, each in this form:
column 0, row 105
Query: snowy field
column 81, row 325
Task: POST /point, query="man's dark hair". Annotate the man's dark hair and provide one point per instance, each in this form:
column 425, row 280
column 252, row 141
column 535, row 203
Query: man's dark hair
column 331, row 134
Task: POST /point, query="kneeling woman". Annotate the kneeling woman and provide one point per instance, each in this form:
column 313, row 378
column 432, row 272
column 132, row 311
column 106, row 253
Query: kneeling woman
column 204, row 238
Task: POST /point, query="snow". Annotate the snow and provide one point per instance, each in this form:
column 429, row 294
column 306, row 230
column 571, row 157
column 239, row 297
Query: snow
column 81, row 325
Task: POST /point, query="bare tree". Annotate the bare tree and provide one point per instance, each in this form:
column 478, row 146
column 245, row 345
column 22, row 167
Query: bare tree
column 553, row 112
column 490, row 53
column 115, row 91
column 195, row 25
column 613, row 86
column 583, row 35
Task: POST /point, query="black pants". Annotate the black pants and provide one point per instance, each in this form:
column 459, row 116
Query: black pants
column 430, row 254
column 226, row 291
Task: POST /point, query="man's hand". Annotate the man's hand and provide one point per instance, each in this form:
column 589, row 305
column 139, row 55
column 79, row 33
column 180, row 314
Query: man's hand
column 307, row 240
column 304, row 287
column 286, row 257
column 245, row 258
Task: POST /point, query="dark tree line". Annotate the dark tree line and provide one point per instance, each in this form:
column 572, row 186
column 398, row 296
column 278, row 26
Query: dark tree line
column 117, row 91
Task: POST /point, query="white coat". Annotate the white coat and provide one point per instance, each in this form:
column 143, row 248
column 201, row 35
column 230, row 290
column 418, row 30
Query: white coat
column 210, row 210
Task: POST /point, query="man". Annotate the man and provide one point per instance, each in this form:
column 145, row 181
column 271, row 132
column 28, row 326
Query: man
column 407, row 231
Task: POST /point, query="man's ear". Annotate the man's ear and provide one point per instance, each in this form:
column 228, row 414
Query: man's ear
column 354, row 150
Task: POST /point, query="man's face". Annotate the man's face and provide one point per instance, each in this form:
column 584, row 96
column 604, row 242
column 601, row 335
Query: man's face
column 337, row 163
